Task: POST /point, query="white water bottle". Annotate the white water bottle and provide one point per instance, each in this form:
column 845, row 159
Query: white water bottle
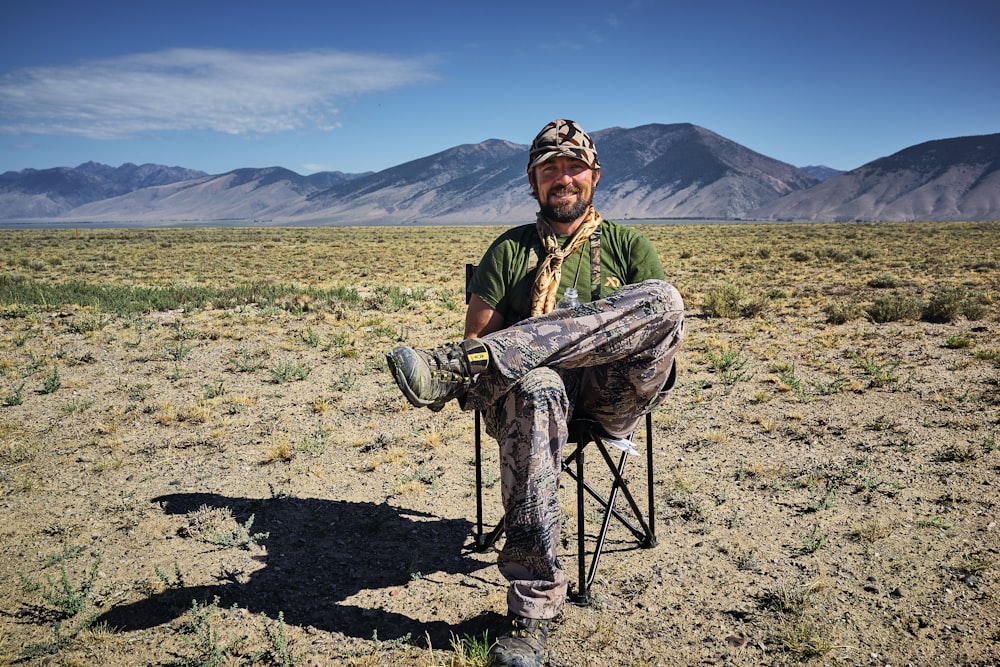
column 569, row 298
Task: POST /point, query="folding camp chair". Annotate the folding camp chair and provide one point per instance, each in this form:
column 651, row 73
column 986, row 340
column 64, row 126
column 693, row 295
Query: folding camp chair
column 583, row 432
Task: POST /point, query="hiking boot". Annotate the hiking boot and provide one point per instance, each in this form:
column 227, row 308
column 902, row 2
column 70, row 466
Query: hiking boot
column 524, row 645
column 431, row 378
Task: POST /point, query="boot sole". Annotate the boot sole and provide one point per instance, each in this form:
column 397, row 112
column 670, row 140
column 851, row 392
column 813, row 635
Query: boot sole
column 404, row 386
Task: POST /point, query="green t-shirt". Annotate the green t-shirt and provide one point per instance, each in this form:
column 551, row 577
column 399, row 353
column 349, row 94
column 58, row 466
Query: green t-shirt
column 506, row 272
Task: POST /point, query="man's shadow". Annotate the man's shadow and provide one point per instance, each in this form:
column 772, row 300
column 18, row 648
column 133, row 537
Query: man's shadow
column 320, row 553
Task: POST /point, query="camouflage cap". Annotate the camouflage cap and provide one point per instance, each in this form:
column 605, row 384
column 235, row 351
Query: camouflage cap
column 563, row 137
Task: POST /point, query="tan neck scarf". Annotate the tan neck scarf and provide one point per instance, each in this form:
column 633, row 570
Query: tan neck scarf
column 543, row 292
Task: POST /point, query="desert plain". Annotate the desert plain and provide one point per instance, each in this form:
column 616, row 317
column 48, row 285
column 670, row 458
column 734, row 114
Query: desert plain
column 204, row 461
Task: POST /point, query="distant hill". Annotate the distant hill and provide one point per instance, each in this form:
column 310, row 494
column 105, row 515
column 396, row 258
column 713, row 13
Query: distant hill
column 34, row 193
column 652, row 171
column 821, row 172
column 242, row 194
column 947, row 179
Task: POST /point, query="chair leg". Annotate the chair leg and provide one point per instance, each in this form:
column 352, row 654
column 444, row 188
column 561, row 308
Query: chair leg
column 651, row 515
column 582, row 595
column 479, row 482
column 608, row 512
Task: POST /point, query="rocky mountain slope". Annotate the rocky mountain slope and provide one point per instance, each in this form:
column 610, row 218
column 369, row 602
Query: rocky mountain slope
column 38, row 193
column 948, row 179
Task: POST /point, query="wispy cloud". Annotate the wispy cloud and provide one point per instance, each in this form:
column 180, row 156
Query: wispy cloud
column 234, row 92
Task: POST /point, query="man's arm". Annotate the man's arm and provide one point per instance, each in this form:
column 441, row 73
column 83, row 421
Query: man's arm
column 480, row 319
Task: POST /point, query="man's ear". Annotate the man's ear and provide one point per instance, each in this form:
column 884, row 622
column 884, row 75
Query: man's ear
column 531, row 182
column 597, row 176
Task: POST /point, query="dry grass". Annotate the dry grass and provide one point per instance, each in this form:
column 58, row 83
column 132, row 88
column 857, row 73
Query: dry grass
column 827, row 463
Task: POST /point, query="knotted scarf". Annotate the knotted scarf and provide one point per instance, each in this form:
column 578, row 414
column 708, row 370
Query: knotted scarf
column 543, row 292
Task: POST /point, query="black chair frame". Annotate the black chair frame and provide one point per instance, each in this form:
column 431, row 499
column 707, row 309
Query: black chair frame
column 642, row 525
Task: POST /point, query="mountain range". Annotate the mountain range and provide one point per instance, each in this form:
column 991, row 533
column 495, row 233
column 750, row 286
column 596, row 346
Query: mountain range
column 649, row 172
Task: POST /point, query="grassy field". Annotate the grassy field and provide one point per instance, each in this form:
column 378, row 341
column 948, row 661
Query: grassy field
column 203, row 460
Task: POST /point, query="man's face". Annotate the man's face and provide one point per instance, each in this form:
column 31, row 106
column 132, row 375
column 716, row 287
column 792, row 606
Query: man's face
column 565, row 188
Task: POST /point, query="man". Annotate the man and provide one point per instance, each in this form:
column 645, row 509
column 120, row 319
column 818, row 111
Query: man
column 531, row 367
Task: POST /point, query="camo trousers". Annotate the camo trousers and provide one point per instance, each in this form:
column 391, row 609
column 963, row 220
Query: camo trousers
column 608, row 360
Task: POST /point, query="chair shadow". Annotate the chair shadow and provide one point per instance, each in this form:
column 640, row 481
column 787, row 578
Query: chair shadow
column 320, row 553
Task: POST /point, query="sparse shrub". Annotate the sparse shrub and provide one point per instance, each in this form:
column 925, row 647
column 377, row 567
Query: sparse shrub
column 240, row 537
column 884, row 281
column 833, row 254
column 800, row 256
column 987, row 355
column 893, row 309
column 957, row 342
column 948, row 303
column 841, row 312
column 806, row 640
column 945, row 305
column 731, row 302
column 204, row 639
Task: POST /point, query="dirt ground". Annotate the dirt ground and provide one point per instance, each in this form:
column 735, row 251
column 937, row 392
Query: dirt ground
column 244, row 485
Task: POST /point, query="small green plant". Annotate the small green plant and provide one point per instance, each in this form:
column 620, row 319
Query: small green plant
column 288, row 371
column 246, row 361
column 179, row 351
column 213, row 390
column 69, row 552
column 880, row 373
column 786, row 601
column 472, row 651
column 449, row 301
column 65, row 599
column 787, row 379
column 15, row 397
column 52, row 382
column 834, row 386
column 729, row 363
column 824, row 502
column 240, row 537
column 423, row 475
column 957, row 342
column 279, row 654
column 203, row 638
column 806, row 641
column 987, row 355
column 813, row 541
column 310, row 337
column 177, row 581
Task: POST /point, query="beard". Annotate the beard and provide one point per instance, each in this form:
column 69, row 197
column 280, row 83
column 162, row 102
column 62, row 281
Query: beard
column 566, row 211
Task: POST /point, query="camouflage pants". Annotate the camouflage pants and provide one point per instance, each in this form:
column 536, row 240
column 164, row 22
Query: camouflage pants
column 607, row 360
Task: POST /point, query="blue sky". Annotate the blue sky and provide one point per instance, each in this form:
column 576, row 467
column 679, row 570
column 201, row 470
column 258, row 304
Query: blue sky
column 359, row 86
